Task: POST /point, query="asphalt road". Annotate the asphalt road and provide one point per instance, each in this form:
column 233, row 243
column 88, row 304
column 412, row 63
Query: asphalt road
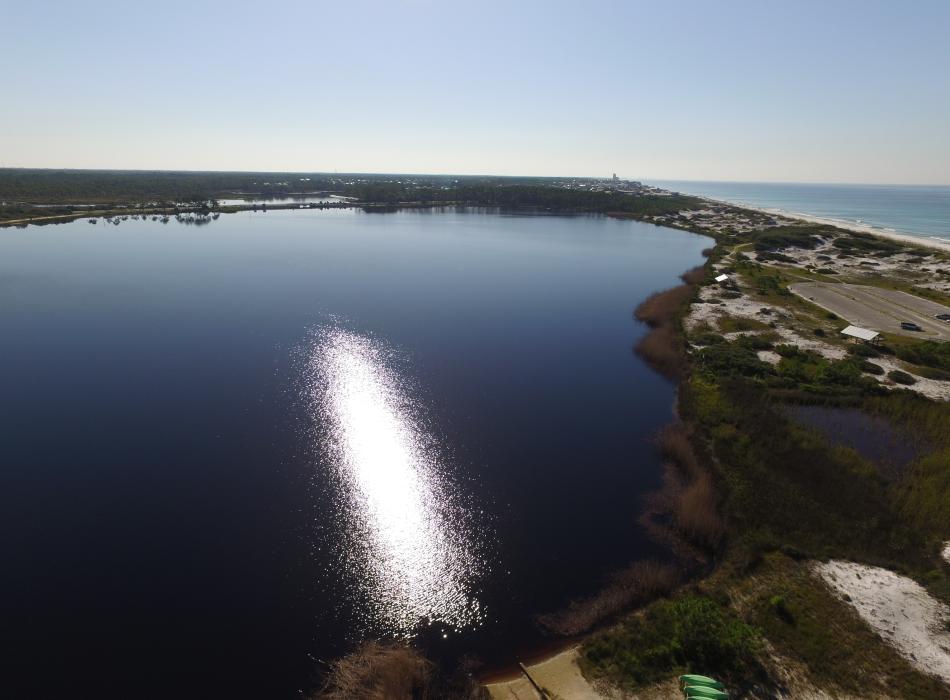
column 878, row 309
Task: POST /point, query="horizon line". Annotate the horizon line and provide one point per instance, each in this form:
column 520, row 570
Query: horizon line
column 472, row 175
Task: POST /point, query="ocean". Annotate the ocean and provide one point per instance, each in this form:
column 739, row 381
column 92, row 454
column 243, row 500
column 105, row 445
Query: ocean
column 917, row 210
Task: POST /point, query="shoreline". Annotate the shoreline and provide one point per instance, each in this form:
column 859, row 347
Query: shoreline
column 906, row 238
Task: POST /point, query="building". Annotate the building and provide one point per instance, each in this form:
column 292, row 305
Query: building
column 862, row 334
column 722, row 278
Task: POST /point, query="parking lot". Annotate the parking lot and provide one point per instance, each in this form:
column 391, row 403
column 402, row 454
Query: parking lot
column 878, row 309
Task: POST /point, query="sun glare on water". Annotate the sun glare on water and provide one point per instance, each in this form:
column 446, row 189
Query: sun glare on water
column 406, row 542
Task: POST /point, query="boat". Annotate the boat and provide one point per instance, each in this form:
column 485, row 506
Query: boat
column 698, row 680
column 702, row 692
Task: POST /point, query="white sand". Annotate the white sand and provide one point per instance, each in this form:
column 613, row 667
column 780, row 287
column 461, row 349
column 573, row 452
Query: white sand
column 898, row 609
column 826, row 350
column 743, row 307
column 931, row 388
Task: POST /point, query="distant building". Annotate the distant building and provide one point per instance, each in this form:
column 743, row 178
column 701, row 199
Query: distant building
column 722, row 278
column 863, row 334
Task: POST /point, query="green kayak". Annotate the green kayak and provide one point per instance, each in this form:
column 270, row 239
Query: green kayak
column 697, row 680
column 700, row 691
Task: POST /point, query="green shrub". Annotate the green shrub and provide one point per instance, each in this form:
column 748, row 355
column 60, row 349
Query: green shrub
column 693, row 632
column 870, row 367
column 731, row 359
column 738, row 324
column 708, row 339
column 786, row 350
column 756, row 342
column 777, row 257
column 898, row 377
column 934, row 373
column 866, row 243
column 863, row 350
column 927, row 353
column 789, row 237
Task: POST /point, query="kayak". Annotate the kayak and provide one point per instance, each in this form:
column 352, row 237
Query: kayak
column 697, row 680
column 701, row 691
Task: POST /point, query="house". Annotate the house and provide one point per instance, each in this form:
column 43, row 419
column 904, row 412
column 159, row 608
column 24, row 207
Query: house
column 862, row 334
column 722, row 278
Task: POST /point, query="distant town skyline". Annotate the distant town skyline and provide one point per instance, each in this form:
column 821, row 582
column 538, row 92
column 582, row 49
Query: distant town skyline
column 836, row 92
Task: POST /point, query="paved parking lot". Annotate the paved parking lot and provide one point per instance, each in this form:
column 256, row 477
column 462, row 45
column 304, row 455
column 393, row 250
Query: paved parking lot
column 878, row 309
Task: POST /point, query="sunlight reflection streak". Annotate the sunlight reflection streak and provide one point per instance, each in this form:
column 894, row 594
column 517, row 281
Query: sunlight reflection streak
column 411, row 551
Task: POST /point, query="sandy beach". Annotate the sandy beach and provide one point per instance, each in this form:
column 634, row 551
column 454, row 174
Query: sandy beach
column 907, row 238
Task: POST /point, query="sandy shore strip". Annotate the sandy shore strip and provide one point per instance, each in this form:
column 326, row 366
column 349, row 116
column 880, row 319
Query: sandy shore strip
column 901, row 611
column 559, row 676
column 925, row 241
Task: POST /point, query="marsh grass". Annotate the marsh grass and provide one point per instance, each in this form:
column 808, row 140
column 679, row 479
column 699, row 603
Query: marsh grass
column 638, row 584
column 378, row 671
column 664, row 347
column 693, row 499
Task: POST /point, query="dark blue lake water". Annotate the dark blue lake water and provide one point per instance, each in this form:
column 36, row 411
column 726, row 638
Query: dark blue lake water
column 231, row 450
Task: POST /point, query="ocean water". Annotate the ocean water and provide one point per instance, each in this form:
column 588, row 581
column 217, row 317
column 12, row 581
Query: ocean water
column 917, row 210
column 231, row 451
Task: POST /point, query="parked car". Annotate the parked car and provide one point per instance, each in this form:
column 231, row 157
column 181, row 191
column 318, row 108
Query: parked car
column 943, row 317
column 908, row 326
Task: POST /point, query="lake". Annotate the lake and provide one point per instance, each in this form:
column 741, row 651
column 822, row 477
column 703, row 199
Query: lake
column 231, row 452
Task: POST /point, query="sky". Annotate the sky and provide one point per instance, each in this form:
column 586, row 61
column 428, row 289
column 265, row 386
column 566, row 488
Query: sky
column 830, row 91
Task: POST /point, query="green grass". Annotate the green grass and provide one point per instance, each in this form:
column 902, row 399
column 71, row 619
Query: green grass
column 734, row 324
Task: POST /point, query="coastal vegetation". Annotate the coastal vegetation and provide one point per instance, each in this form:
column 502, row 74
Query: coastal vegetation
column 784, row 495
column 689, row 630
column 21, row 188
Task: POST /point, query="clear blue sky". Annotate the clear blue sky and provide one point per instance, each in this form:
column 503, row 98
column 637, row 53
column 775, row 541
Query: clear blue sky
column 793, row 91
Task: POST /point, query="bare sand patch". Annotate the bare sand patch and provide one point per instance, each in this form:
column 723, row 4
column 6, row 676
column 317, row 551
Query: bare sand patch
column 559, row 676
column 826, row 350
column 931, row 388
column 898, row 609
column 713, row 307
